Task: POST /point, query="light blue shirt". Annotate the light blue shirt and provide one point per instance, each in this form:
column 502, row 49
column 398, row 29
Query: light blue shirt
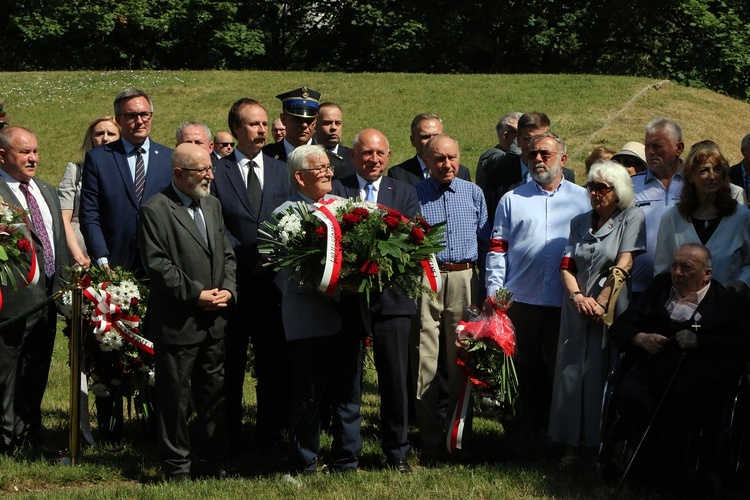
column 528, row 241
column 131, row 154
column 654, row 199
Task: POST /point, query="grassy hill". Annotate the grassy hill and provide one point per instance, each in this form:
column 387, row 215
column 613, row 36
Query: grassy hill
column 585, row 110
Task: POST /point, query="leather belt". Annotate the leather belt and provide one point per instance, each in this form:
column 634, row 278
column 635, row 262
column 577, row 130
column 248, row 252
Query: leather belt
column 452, row 266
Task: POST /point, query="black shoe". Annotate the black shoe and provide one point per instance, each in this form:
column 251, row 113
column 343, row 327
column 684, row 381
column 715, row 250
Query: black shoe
column 399, row 465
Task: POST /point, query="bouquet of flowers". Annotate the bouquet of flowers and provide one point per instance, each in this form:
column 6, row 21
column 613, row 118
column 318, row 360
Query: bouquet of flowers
column 353, row 244
column 17, row 256
column 487, row 344
column 119, row 359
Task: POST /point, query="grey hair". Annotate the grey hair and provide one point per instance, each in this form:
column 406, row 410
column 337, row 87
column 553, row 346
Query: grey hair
column 613, row 173
column 707, row 259
column 562, row 148
column 664, row 123
column 502, row 124
column 185, row 125
column 129, row 94
column 299, row 159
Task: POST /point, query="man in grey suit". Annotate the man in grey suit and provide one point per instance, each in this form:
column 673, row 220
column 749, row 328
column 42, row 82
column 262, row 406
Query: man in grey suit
column 191, row 267
column 325, row 351
column 26, row 345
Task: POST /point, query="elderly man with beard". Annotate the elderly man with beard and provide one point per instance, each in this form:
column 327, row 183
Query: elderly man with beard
column 191, row 267
column 528, row 238
column 324, row 346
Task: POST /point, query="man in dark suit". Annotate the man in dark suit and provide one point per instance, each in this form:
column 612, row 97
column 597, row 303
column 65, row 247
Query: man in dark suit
column 688, row 329
column 513, row 170
column 191, row 268
column 413, row 171
column 328, row 131
column 390, row 312
column 325, row 350
column 250, row 185
column 26, row 345
column 507, row 130
column 740, row 174
column 117, row 179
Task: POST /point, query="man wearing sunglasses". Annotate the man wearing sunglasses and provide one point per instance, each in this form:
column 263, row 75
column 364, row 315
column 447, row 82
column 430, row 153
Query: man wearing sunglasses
column 531, row 227
column 117, row 179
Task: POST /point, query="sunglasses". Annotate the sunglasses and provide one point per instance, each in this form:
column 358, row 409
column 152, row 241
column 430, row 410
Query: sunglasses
column 598, row 188
column 225, row 144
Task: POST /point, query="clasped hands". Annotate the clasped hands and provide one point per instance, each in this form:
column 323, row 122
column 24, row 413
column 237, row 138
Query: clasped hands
column 588, row 307
column 654, row 343
column 214, row 299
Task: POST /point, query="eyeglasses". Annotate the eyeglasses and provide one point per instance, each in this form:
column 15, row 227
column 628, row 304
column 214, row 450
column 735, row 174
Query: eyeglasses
column 201, row 171
column 145, row 116
column 322, row 169
column 225, row 144
column 546, row 155
column 598, row 188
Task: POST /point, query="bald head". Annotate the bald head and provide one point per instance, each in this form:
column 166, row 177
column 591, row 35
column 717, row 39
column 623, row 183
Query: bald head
column 442, row 157
column 370, row 154
column 192, row 170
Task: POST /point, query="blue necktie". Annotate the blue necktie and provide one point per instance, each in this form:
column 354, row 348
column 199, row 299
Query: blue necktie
column 369, row 192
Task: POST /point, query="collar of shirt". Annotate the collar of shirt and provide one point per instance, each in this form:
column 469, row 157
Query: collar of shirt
column 362, row 183
column 539, row 189
column 651, row 177
column 422, row 164
column 437, row 186
column 14, row 185
column 335, row 149
column 130, row 154
column 683, row 308
column 525, row 174
column 243, row 163
column 289, row 148
column 185, row 199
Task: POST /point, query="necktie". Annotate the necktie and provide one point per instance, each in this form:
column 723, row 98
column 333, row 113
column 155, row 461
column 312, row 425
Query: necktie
column 140, row 174
column 369, row 192
column 254, row 193
column 199, row 221
column 41, row 231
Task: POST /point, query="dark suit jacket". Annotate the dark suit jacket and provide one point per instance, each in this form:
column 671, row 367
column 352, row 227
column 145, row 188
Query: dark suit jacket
column 341, row 163
column 109, row 207
column 239, row 216
column 735, row 175
column 180, row 265
column 398, row 196
column 722, row 333
column 16, row 301
column 411, row 172
column 507, row 177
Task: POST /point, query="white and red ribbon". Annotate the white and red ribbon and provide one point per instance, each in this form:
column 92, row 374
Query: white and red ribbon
column 455, row 436
column 107, row 316
column 332, row 270
column 432, row 273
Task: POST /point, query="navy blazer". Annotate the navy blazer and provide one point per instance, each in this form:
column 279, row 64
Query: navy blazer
column 735, row 175
column 239, row 216
column 410, row 172
column 398, row 196
column 109, row 208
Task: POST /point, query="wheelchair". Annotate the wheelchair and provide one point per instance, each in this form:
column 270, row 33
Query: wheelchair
column 716, row 453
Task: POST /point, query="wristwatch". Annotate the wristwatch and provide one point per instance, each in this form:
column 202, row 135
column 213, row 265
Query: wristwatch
column 573, row 295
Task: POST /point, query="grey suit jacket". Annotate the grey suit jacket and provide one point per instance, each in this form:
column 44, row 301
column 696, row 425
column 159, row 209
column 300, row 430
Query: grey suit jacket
column 15, row 301
column 180, row 265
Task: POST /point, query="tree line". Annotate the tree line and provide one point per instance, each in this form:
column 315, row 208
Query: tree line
column 702, row 43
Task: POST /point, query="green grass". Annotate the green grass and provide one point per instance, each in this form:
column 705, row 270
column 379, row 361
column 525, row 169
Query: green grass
column 585, row 110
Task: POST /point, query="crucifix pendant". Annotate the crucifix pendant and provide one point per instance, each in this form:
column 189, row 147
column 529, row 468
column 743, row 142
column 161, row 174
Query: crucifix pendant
column 695, row 326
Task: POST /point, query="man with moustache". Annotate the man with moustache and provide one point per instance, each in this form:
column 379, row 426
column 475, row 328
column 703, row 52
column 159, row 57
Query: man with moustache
column 445, row 197
column 191, row 269
column 223, row 144
column 325, row 350
column 390, row 312
column 250, row 185
column 424, row 126
column 328, row 131
column 531, row 227
column 117, row 178
column 656, row 189
column 26, row 345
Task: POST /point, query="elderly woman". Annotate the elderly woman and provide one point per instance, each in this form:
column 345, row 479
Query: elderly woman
column 598, row 256
column 101, row 131
column 708, row 214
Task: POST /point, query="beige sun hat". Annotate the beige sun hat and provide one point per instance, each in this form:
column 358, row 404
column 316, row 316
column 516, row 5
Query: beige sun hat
column 635, row 149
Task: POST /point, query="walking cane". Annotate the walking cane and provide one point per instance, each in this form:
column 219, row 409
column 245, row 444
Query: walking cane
column 648, row 427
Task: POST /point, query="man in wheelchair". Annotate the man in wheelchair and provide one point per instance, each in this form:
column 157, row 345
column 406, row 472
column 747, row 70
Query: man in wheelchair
column 685, row 341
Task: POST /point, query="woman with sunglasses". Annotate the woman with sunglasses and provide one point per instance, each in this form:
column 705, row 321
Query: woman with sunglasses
column 598, row 257
column 708, row 214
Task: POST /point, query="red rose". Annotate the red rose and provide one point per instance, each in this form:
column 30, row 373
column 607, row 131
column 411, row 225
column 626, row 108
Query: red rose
column 321, row 232
column 362, row 212
column 369, row 267
column 368, row 342
column 425, row 225
column 351, row 219
column 133, row 302
column 391, row 221
column 137, row 363
column 24, row 245
column 416, row 235
column 86, row 281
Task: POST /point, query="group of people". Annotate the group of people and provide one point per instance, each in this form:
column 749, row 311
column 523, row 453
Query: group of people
column 580, row 261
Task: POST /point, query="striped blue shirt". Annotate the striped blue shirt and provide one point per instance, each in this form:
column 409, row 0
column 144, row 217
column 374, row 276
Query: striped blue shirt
column 462, row 205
